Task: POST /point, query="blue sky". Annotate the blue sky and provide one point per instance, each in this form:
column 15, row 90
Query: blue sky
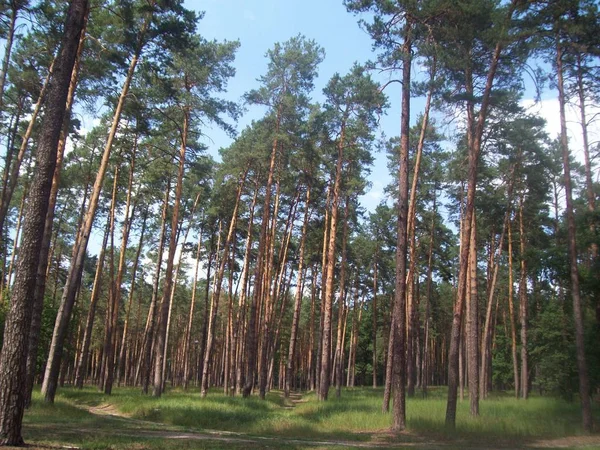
column 259, row 24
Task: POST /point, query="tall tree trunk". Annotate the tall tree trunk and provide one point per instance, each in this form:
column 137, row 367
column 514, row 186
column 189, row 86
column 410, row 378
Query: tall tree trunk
column 523, row 306
column 251, row 337
column 87, row 335
column 339, row 346
column 9, row 189
column 123, row 356
column 584, row 384
column 40, row 283
column 399, row 310
column 476, row 132
column 145, row 363
column 511, row 312
column 289, row 368
column 325, row 377
column 68, row 297
column 241, row 317
column 13, row 358
column 412, row 209
column 188, row 330
column 10, row 35
column 473, row 325
column 486, row 354
column 219, row 284
column 111, row 332
column 373, row 323
column 161, row 332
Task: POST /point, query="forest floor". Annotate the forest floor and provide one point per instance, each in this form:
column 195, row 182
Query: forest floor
column 87, row 419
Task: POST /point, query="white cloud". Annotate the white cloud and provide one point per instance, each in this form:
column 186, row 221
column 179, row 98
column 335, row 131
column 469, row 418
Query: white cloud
column 550, row 111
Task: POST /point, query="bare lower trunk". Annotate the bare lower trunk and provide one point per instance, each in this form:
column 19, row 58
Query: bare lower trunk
column 289, row 368
column 45, row 257
column 68, row 298
column 13, row 359
column 472, row 325
column 584, row 385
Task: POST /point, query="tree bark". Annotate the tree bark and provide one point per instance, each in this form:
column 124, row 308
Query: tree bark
column 289, row 368
column 473, row 325
column 68, row 297
column 325, row 377
column 161, row 332
column 219, row 284
column 13, row 359
column 40, row 286
column 584, row 384
column 399, row 312
column 145, row 363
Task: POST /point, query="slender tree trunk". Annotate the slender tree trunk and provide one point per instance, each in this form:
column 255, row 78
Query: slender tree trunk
column 339, row 346
column 13, row 358
column 374, row 323
column 584, row 384
column 188, row 330
column 111, row 332
column 325, row 377
column 289, row 368
column 486, row 354
column 511, row 312
column 9, row 190
column 399, row 311
column 122, row 361
column 473, row 325
column 68, row 298
column 523, row 306
column 161, row 332
column 145, row 362
column 241, row 318
column 87, row 335
column 10, row 35
column 218, row 285
column 474, row 150
column 412, row 208
column 259, row 289
column 45, row 258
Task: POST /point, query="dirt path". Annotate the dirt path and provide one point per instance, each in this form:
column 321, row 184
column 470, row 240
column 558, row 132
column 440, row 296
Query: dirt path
column 131, row 428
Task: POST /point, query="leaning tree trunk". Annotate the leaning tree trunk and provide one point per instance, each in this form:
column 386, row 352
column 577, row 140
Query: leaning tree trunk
column 10, row 36
column 13, row 359
column 9, row 189
column 68, row 297
column 111, row 331
column 584, row 384
column 81, row 367
column 40, row 287
column 474, row 151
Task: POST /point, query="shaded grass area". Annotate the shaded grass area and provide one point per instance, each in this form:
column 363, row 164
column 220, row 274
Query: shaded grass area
column 356, row 416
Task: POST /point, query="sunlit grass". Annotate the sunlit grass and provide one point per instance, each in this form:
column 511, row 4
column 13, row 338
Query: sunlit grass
column 355, row 416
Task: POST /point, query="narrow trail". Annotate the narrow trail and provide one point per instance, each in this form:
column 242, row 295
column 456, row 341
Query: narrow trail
column 129, row 427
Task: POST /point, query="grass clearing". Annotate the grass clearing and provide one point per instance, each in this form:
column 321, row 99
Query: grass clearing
column 132, row 420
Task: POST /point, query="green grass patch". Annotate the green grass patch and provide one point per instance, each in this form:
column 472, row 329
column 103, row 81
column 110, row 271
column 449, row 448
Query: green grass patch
column 356, row 416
